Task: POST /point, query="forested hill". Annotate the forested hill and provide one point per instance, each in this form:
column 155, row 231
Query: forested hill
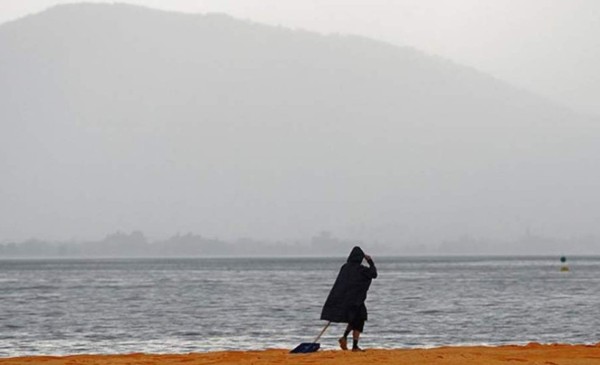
column 116, row 117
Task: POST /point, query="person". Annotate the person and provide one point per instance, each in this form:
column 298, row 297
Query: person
column 346, row 300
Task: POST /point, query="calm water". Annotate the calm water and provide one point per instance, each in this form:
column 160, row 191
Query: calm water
column 189, row 305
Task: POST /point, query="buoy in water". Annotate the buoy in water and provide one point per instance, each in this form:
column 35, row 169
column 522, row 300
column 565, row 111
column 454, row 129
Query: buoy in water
column 564, row 267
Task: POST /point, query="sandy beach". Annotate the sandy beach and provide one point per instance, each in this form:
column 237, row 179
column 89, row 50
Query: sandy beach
column 529, row 354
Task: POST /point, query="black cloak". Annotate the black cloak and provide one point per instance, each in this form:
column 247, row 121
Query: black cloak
column 346, row 300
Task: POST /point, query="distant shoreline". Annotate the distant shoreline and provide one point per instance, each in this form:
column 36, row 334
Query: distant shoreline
column 293, row 257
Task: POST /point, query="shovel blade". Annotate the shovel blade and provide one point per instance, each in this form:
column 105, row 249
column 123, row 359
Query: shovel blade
column 306, row 347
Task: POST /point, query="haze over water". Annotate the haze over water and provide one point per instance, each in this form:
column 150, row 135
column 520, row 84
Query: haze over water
column 188, row 305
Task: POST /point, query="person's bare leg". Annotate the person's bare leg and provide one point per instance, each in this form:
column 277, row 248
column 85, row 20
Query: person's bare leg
column 343, row 341
column 355, row 338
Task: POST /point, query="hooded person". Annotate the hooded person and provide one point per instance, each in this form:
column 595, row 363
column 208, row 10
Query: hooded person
column 346, row 300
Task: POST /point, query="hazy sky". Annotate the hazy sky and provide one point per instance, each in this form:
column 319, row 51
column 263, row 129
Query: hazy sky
column 548, row 46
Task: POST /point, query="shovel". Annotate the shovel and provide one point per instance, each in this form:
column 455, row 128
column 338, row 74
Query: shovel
column 306, row 347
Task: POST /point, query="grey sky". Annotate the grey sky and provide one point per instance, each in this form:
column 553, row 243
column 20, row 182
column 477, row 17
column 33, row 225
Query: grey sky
column 548, row 46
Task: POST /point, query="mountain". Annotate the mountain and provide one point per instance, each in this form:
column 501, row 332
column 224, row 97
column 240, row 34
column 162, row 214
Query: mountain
column 116, row 117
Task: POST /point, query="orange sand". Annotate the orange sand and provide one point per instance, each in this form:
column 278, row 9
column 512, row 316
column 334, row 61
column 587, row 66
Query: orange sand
column 515, row 355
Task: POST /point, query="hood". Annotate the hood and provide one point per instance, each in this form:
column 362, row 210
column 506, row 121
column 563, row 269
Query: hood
column 357, row 255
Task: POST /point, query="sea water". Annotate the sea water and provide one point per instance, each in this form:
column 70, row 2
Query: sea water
column 193, row 305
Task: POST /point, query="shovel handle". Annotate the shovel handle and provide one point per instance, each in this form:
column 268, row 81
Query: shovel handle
column 322, row 331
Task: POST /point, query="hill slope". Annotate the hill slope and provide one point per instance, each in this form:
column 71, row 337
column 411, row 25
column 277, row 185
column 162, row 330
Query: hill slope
column 120, row 117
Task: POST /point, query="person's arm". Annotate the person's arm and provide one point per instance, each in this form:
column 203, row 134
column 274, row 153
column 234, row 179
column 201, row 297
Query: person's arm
column 372, row 269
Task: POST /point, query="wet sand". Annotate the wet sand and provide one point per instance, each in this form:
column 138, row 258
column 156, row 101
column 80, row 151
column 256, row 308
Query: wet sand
column 516, row 355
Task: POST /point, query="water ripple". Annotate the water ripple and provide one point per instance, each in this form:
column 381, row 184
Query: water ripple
column 179, row 306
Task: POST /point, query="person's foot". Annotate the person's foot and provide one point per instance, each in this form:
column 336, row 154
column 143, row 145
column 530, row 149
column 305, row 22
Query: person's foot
column 343, row 343
column 357, row 349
